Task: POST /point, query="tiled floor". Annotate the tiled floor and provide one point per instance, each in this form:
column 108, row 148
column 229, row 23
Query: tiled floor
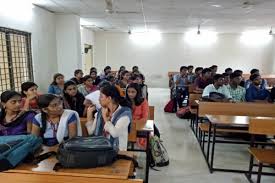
column 186, row 160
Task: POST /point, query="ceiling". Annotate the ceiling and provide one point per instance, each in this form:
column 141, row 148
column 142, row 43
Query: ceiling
column 169, row 16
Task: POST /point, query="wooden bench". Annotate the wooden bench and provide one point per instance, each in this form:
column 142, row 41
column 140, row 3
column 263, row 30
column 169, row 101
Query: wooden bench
column 263, row 156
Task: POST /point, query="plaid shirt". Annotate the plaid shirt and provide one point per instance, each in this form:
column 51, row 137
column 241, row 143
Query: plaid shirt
column 238, row 94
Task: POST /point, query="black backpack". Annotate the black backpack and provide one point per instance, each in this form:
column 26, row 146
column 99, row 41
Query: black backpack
column 88, row 152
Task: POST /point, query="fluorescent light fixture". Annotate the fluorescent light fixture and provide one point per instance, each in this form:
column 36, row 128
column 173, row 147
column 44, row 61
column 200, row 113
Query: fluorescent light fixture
column 205, row 38
column 255, row 38
column 17, row 9
column 150, row 37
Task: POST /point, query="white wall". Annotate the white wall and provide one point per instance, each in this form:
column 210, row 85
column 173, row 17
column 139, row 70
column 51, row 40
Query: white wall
column 87, row 37
column 172, row 51
column 41, row 24
column 68, row 44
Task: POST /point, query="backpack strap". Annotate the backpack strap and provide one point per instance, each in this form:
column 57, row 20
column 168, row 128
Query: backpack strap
column 124, row 157
column 42, row 157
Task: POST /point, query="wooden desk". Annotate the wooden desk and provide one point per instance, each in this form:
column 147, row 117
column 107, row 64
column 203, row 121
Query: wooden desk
column 120, row 169
column 226, row 121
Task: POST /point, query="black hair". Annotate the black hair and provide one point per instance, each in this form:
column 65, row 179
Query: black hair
column 235, row 75
column 110, row 78
column 135, row 76
column 213, row 66
column 198, row 69
column 183, row 67
column 238, row 71
column 26, row 86
column 190, row 66
column 112, row 91
column 68, row 83
column 123, row 74
column 204, row 71
column 77, row 71
column 217, row 77
column 93, row 69
column 253, row 71
column 122, row 67
column 5, row 97
column 134, row 68
column 138, row 99
column 106, row 68
column 228, row 69
column 85, row 78
column 43, row 102
column 225, row 74
column 56, row 76
column 253, row 77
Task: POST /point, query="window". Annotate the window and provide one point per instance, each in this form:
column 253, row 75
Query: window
column 15, row 59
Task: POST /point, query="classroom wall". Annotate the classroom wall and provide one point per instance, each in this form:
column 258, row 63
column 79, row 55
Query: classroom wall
column 41, row 24
column 68, row 44
column 172, row 51
column 87, row 37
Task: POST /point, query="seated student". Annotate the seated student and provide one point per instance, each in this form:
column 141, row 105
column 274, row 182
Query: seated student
column 135, row 70
column 54, row 124
column 113, row 120
column 198, row 72
column 87, row 86
column 140, row 106
column 57, row 85
column 263, row 82
column 240, row 72
column 226, row 78
column 124, row 79
column 236, row 91
column 181, row 82
column 105, row 72
column 121, row 69
column 255, row 93
column 190, row 74
column 204, row 80
column 93, row 74
column 112, row 80
column 13, row 121
column 139, row 79
column 78, row 74
column 228, row 71
column 30, row 95
column 217, row 87
column 214, row 69
column 73, row 99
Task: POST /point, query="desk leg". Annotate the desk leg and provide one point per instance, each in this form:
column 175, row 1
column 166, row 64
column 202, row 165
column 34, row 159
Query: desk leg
column 213, row 149
column 147, row 157
column 208, row 144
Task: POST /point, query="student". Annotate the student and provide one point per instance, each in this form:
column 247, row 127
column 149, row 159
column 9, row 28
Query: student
column 124, row 80
column 96, row 79
column 263, row 82
column 137, row 78
column 180, row 81
column 226, row 78
column 121, row 69
column 105, row 73
column 217, row 87
column 140, row 106
column 135, row 70
column 78, row 74
column 73, row 99
column 113, row 120
column 240, row 72
column 112, row 80
column 30, row 95
column 87, row 86
column 198, row 72
column 57, row 85
column 236, row 91
column 54, row 124
column 13, row 121
column 190, row 74
column 203, row 80
column 255, row 93
column 228, row 71
column 214, row 69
